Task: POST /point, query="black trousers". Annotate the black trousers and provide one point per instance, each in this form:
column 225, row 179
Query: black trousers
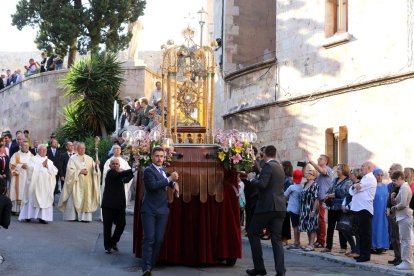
column 112, row 216
column 274, row 221
column 333, row 218
column 364, row 221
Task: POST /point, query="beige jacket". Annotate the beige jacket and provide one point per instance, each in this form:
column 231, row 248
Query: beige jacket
column 403, row 199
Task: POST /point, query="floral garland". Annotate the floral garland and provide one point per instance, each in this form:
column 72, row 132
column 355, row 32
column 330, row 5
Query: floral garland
column 139, row 149
column 235, row 149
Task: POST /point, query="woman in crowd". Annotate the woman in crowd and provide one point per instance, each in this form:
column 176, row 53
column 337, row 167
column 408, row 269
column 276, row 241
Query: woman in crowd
column 380, row 238
column 293, row 194
column 335, row 197
column 151, row 124
column 288, row 168
column 126, row 116
column 404, row 217
column 409, row 177
column 309, row 209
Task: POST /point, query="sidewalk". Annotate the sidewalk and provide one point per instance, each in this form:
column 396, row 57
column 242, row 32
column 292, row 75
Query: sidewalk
column 378, row 263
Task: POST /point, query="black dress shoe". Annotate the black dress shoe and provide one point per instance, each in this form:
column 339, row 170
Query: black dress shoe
column 254, row 272
column 42, row 221
column 393, row 261
column 108, row 251
column 362, row 260
column 27, row 220
column 146, row 273
column 397, row 262
column 115, row 247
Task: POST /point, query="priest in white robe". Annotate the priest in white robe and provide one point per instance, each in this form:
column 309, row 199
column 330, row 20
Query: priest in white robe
column 18, row 168
column 37, row 200
column 116, row 149
column 81, row 193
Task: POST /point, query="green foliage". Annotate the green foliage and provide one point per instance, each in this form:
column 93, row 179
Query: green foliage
column 94, row 83
column 104, row 146
column 79, row 24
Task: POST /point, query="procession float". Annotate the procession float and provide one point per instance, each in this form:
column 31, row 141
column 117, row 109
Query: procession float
column 204, row 219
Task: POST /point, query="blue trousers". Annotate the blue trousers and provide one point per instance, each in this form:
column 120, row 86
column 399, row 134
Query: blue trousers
column 154, row 227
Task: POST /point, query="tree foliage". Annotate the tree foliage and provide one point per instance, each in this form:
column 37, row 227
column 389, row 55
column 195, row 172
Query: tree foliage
column 79, row 25
column 94, row 84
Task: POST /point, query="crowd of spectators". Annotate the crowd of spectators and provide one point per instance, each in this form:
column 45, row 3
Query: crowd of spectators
column 370, row 216
column 46, row 63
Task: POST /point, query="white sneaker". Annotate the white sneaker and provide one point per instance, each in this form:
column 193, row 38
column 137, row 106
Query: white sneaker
column 404, row 266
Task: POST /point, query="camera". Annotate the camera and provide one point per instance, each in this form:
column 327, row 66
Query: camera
column 301, row 164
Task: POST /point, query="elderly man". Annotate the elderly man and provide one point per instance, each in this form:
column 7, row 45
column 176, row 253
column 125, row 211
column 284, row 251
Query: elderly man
column 65, row 156
column 363, row 194
column 37, row 201
column 80, row 196
column 116, row 150
column 18, row 167
column 33, row 150
column 324, row 181
column 393, row 225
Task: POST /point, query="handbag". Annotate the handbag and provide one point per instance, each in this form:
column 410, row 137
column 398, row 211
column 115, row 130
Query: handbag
column 346, row 223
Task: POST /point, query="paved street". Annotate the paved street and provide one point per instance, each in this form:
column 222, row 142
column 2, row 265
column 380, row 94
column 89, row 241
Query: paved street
column 74, row 248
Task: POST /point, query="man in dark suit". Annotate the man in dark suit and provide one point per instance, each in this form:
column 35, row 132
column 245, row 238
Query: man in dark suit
column 5, row 205
column 143, row 119
column 34, row 149
column 55, row 155
column 64, row 162
column 16, row 144
column 10, row 144
column 114, row 204
column 270, row 211
column 154, row 208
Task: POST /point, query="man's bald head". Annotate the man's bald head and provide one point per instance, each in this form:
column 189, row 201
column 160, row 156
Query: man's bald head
column 367, row 167
column 114, row 164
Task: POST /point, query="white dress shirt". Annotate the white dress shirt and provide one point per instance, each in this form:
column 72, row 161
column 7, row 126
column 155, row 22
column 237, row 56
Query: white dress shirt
column 364, row 198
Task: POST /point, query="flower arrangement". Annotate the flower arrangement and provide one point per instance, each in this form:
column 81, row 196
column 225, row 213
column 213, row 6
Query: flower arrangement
column 235, row 149
column 140, row 143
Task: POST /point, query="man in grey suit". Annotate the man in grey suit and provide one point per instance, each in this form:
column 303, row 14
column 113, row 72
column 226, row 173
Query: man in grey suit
column 143, row 115
column 154, row 208
column 270, row 211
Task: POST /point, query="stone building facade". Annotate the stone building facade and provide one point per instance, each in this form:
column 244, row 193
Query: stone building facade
column 37, row 103
column 338, row 83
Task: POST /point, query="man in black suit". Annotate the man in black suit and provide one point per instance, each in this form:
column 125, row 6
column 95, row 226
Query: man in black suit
column 114, row 204
column 64, row 162
column 10, row 144
column 143, row 119
column 16, row 144
column 154, row 208
column 55, row 155
column 34, row 149
column 5, row 205
column 270, row 211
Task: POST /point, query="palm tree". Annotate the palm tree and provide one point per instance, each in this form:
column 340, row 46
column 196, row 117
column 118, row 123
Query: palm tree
column 95, row 83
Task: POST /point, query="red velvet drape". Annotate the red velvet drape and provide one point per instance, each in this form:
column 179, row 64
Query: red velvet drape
column 199, row 233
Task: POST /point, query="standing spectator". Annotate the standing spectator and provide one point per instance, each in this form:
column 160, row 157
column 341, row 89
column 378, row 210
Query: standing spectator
column 409, row 177
column 9, row 77
column 380, row 238
column 293, row 194
column 270, row 210
column 4, row 164
column 126, row 116
column 242, row 198
column 43, row 63
column 324, row 181
column 33, row 150
column 156, row 94
column 394, row 235
column 5, row 206
column 50, row 63
column 363, row 195
column 58, row 62
column 404, row 217
column 135, row 114
column 309, row 208
column 19, row 76
column 2, row 78
column 288, row 169
column 28, row 138
column 144, row 112
column 31, row 69
column 54, row 155
column 335, row 195
column 18, row 143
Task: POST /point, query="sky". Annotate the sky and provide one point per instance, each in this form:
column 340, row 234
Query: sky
column 163, row 20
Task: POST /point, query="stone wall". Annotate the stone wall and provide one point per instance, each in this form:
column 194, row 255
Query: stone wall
column 37, row 102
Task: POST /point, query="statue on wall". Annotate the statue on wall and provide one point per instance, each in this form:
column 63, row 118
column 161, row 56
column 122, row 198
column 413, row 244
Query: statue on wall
column 135, row 28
